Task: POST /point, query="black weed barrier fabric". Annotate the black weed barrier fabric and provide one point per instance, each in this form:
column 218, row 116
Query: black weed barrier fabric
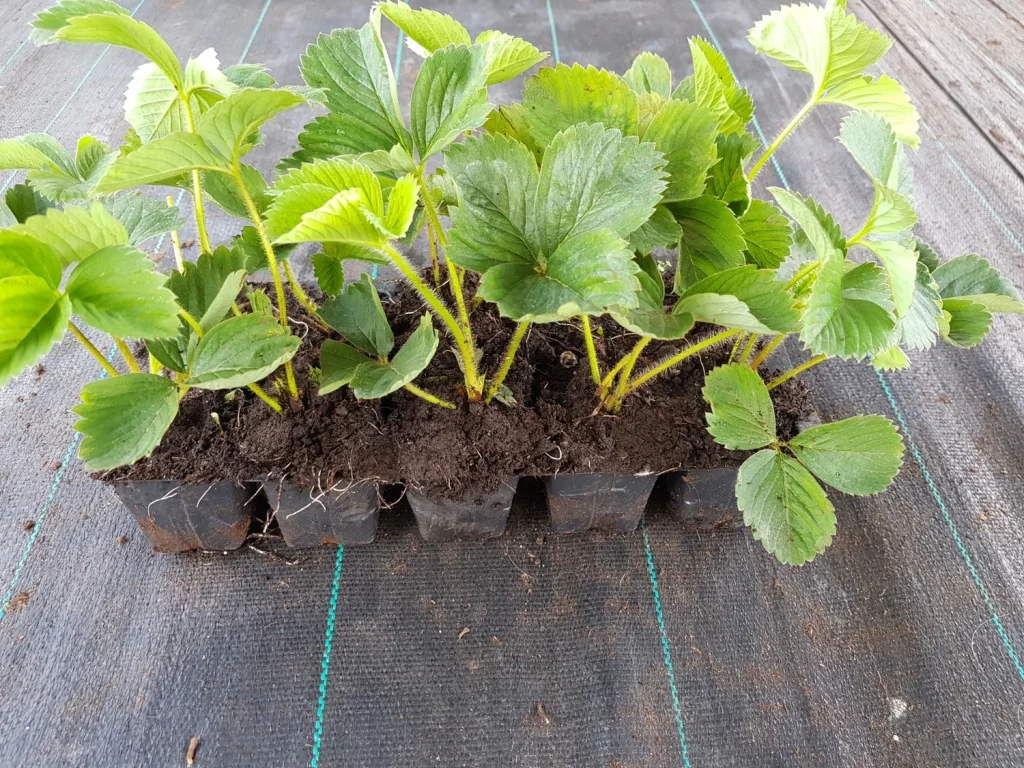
column 898, row 647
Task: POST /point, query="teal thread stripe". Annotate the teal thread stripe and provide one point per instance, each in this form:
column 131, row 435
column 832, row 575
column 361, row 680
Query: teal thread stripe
column 255, row 30
column 968, row 560
column 13, row 55
column 918, row 457
column 666, row 648
column 45, row 508
column 325, row 665
column 74, row 93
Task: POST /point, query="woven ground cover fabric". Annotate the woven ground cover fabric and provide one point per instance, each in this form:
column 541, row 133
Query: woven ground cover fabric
column 898, row 647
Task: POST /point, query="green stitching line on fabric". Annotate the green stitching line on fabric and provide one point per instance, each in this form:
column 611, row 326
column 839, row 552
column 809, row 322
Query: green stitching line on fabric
column 666, row 649
column 1008, row 644
column 325, row 665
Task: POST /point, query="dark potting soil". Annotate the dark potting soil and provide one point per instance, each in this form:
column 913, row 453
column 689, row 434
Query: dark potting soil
column 551, row 428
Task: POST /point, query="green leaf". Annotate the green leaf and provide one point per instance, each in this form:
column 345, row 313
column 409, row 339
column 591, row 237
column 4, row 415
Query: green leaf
column 259, row 302
column 228, row 125
column 927, row 256
column 52, row 172
column 116, row 290
column 329, row 273
column 32, row 151
column 209, row 285
column 35, row 316
column 426, row 30
column 965, row 322
column 507, row 56
column 891, row 359
column 849, row 313
column 594, row 178
column 153, row 105
column 358, row 315
column 251, row 247
column 727, row 180
column 160, row 161
column 143, row 217
column 249, row 76
column 560, row 97
column 860, row 456
column 122, row 30
column 900, row 263
column 74, row 233
column 22, row 254
column 401, row 207
column 47, row 22
column 872, row 142
column 587, row 274
column 882, row 96
column 374, row 379
column 970, row 276
column 240, row 351
column 742, row 416
column 124, row 418
column 714, row 88
column 649, row 73
column 223, row 190
column 497, row 179
column 919, row 328
column 449, row 97
column 786, row 509
column 744, row 297
column 338, row 364
column 659, row 231
column 685, row 134
column 822, row 231
column 23, row 201
column 712, row 240
column 767, row 234
column 510, row 120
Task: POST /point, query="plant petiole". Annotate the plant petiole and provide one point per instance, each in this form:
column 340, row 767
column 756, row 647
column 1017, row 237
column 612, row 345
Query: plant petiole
column 429, row 397
column 795, row 371
column 783, row 136
column 92, row 349
column 768, row 349
column 126, row 353
column 506, row 363
column 588, row 337
column 678, row 358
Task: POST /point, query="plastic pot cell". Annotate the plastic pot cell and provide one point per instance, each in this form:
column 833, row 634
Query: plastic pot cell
column 471, row 516
column 179, row 517
column 703, row 499
column 310, row 516
column 600, row 501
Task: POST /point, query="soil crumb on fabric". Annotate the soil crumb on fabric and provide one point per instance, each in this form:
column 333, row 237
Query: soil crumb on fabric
column 551, row 427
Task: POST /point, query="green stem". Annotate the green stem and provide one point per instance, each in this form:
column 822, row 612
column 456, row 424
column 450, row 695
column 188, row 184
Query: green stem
column 429, row 397
column 782, row 136
column 610, row 377
column 736, row 346
column 275, row 273
column 92, row 349
column 474, row 387
column 192, row 322
column 749, row 348
column 176, row 241
column 768, row 349
column 678, row 358
column 588, row 337
column 627, row 371
column 433, row 255
column 506, row 363
column 197, row 188
column 860, row 235
column 262, row 395
column 126, row 353
column 301, row 295
column 799, row 369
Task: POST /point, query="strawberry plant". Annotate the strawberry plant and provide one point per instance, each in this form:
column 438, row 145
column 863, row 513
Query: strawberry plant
column 558, row 208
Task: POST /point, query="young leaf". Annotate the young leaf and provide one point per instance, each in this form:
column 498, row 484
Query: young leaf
column 919, row 327
column 727, row 179
column 743, row 297
column 338, row 364
column 49, row 21
column 821, row 230
column 849, row 313
column 712, row 240
column 143, row 217
column 558, row 98
column 240, row 351
column 208, row 286
column 352, row 68
column 358, row 315
column 927, row 256
column 507, row 56
column 965, row 322
column 685, row 134
column 860, row 456
column 786, row 509
column 510, row 120
column 970, row 276
column 449, row 97
column 124, row 418
column 426, row 30
column 35, row 316
column 375, row 379
column 660, row 231
column 714, row 88
column 249, row 244
column 401, row 207
column 116, row 290
column 649, row 318
column 742, row 416
column 74, row 233
column 122, row 30
column 228, row 126
column 35, row 150
column 249, row 76
column 882, row 96
column 23, row 202
column 891, row 359
column 649, row 73
column 767, row 234
column 900, row 263
column 160, row 161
